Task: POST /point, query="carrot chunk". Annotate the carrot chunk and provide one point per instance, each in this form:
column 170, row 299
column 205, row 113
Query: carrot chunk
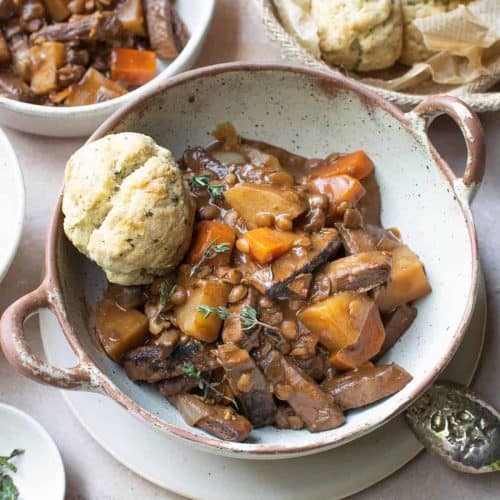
column 357, row 165
column 266, row 244
column 343, row 191
column 133, row 67
column 212, row 233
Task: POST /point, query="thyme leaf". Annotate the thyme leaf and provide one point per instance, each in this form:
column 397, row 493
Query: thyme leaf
column 8, row 490
column 190, row 370
column 220, row 311
column 248, row 318
column 202, row 181
column 164, row 295
column 212, row 250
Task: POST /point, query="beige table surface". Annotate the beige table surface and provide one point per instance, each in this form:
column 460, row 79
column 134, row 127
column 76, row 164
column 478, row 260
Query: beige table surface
column 94, row 475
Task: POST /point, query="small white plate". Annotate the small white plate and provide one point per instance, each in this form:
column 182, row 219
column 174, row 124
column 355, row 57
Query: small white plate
column 40, row 470
column 11, row 204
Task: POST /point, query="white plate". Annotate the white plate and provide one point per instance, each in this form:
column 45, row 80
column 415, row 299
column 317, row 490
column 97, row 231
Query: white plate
column 170, row 464
column 40, row 470
column 11, row 204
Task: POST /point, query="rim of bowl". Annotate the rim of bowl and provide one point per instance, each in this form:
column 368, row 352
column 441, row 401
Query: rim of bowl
column 15, row 167
column 247, row 450
column 89, row 109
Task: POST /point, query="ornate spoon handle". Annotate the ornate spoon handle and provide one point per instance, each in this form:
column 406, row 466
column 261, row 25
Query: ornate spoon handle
column 455, row 424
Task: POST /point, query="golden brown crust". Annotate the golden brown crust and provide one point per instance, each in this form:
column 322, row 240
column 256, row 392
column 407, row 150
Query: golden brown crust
column 127, row 207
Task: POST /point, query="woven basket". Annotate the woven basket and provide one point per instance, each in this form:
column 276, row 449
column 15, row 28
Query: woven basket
column 472, row 93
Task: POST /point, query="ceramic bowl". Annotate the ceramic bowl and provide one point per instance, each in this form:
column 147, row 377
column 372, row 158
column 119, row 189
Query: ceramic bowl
column 80, row 121
column 11, row 204
column 311, row 113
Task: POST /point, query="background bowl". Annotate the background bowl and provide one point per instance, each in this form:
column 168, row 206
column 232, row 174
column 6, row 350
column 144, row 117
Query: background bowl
column 11, row 204
column 79, row 121
column 313, row 114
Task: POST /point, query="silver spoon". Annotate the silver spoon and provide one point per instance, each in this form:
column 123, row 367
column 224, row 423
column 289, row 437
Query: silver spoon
column 455, row 424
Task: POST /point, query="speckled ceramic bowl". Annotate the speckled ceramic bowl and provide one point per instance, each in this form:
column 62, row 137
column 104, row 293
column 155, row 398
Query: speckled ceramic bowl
column 313, row 114
column 77, row 121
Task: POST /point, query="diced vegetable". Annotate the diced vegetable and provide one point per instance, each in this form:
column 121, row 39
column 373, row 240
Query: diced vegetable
column 250, row 199
column 348, row 325
column 267, row 244
column 14, row 87
column 212, row 233
column 4, row 50
column 314, row 406
column 59, row 97
column 194, row 323
column 160, row 28
column 133, row 67
column 131, row 15
column 360, row 272
column 366, row 385
column 248, row 384
column 57, row 9
column 357, row 165
column 45, row 60
column 285, row 269
column 94, row 87
column 7, row 9
column 221, row 421
column 21, row 59
column 407, row 282
column 396, row 324
column 343, row 191
column 120, row 330
column 229, row 158
column 371, row 202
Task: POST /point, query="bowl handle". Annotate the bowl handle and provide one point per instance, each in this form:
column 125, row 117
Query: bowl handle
column 472, row 131
column 19, row 353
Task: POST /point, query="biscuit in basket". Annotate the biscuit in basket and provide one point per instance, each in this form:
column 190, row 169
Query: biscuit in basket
column 414, row 49
column 361, row 35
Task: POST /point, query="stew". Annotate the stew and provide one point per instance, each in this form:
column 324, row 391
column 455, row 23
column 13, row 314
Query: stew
column 77, row 52
column 284, row 299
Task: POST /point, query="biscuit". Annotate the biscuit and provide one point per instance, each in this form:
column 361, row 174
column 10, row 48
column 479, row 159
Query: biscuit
column 414, row 49
column 361, row 35
column 127, row 207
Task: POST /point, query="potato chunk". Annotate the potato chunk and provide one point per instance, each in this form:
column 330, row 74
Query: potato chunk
column 348, row 325
column 119, row 330
column 94, row 87
column 131, row 15
column 194, row 323
column 407, row 280
column 250, row 199
column 58, row 9
column 45, row 60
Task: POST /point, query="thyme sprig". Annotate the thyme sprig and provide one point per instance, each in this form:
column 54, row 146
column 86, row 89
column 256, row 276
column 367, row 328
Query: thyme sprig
column 248, row 318
column 190, row 370
column 8, row 490
column 202, row 181
column 164, row 295
column 212, row 250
